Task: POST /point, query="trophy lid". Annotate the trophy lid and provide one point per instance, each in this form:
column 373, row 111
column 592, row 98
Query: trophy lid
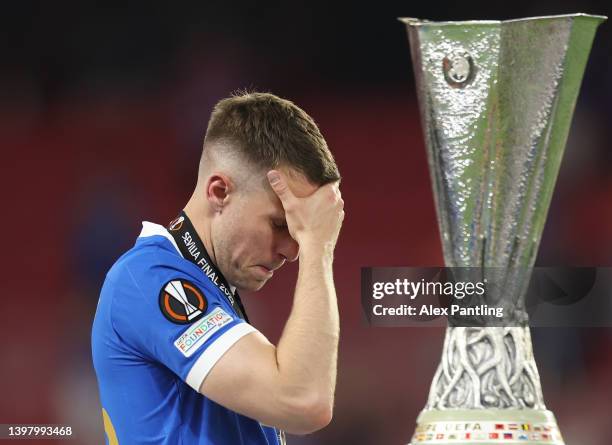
column 412, row 21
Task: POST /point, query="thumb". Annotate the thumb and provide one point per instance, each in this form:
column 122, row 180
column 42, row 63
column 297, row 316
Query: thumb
column 279, row 185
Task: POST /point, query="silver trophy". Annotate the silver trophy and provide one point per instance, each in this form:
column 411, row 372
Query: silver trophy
column 496, row 101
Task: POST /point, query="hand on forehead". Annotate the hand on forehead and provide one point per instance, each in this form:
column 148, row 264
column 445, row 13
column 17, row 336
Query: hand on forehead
column 299, row 185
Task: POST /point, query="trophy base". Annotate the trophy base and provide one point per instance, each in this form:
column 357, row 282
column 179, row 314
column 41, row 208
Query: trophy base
column 487, row 426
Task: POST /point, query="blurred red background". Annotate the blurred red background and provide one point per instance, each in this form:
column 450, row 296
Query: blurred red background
column 102, row 118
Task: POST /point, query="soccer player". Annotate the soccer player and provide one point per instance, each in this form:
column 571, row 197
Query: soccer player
column 176, row 358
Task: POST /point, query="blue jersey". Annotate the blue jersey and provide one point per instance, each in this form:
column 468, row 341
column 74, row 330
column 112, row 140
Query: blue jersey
column 160, row 326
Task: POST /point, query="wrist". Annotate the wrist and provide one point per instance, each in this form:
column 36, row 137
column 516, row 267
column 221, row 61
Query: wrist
column 314, row 251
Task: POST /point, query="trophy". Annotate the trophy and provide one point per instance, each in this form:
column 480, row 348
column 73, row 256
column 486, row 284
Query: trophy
column 496, row 101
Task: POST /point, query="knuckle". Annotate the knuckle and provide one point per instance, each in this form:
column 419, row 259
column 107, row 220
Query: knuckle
column 333, row 196
column 289, row 205
column 280, row 187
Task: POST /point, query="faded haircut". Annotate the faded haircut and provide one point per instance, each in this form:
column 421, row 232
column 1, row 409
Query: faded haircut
column 270, row 132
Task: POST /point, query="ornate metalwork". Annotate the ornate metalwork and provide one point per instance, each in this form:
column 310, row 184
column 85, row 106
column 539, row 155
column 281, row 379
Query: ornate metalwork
column 486, row 368
column 496, row 100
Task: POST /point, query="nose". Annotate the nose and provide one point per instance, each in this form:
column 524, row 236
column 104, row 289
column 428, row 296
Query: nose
column 288, row 248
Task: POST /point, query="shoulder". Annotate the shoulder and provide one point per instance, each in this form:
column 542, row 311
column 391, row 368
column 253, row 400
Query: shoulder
column 161, row 306
column 154, row 270
column 153, row 260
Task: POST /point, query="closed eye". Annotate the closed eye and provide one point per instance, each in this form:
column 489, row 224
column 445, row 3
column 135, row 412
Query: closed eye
column 280, row 225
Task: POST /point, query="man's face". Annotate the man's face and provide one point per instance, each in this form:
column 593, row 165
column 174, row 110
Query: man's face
column 250, row 236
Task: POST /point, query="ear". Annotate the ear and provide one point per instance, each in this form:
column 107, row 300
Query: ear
column 218, row 190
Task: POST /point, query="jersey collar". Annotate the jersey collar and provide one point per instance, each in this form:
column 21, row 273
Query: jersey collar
column 152, row 229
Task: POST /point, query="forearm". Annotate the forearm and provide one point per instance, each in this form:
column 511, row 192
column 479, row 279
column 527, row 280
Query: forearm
column 308, row 349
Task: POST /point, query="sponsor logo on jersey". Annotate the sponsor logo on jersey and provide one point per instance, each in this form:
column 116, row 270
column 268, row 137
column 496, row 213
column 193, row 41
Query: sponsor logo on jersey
column 182, row 302
column 196, row 335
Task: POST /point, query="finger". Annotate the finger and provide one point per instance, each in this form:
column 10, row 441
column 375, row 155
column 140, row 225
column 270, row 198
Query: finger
column 335, row 186
column 280, row 187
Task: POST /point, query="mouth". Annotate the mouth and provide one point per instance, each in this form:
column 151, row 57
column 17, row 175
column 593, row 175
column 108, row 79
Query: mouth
column 266, row 270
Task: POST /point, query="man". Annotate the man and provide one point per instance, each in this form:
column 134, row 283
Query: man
column 176, row 358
